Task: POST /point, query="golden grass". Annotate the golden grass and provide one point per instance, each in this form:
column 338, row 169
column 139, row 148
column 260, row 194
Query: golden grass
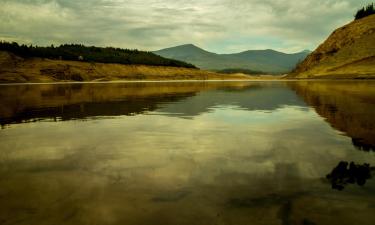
column 16, row 69
column 349, row 52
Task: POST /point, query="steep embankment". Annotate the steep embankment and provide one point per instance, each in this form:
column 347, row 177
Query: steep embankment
column 349, row 52
column 17, row 69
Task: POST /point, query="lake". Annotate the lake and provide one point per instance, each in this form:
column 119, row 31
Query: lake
column 188, row 153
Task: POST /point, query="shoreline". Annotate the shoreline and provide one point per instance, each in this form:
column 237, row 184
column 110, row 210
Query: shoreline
column 178, row 81
column 140, row 81
column 19, row 71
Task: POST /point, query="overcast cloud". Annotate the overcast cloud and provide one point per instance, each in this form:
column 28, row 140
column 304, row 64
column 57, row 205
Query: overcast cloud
column 222, row 26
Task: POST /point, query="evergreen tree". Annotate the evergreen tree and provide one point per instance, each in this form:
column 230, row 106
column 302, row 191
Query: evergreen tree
column 78, row 52
column 365, row 11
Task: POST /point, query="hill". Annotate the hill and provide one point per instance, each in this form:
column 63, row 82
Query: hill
column 349, row 52
column 16, row 69
column 77, row 52
column 268, row 61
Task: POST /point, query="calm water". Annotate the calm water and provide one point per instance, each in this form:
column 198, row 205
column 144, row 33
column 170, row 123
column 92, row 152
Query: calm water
column 187, row 153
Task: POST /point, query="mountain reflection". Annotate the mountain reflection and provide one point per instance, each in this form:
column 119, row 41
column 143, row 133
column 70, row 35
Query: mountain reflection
column 348, row 106
column 27, row 103
column 260, row 96
column 248, row 151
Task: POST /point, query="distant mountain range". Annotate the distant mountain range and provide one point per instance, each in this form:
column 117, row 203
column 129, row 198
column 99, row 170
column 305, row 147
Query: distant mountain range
column 269, row 61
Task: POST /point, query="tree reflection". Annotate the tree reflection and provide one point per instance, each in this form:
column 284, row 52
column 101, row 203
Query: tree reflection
column 342, row 175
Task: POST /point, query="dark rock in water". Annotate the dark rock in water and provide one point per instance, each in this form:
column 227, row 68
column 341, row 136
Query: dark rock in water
column 342, row 175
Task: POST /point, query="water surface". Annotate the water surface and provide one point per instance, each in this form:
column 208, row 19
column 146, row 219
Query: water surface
column 185, row 153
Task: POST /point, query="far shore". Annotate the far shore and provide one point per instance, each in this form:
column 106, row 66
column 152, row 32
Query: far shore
column 181, row 81
column 14, row 69
column 142, row 81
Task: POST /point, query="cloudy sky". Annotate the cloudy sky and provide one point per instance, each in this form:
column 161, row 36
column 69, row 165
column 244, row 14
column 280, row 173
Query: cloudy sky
column 222, row 26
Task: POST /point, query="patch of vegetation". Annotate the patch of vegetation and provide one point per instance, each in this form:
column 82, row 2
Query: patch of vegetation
column 365, row 11
column 78, row 52
column 244, row 71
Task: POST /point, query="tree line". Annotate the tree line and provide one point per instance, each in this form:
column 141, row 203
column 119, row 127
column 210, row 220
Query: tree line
column 79, row 52
column 365, row 11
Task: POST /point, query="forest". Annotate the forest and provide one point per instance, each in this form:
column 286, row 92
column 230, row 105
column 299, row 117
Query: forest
column 78, row 52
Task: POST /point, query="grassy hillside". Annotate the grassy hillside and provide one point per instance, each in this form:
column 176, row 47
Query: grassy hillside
column 18, row 69
column 83, row 53
column 268, row 61
column 277, row 61
column 349, row 52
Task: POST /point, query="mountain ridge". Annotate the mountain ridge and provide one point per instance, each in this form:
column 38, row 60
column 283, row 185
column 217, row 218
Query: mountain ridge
column 267, row 60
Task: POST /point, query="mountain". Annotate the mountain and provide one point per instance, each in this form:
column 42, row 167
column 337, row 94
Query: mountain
column 349, row 52
column 269, row 61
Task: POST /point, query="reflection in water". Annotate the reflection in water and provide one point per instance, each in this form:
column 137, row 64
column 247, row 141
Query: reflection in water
column 184, row 153
column 285, row 203
column 363, row 144
column 347, row 106
column 342, row 175
column 25, row 103
column 79, row 101
column 263, row 97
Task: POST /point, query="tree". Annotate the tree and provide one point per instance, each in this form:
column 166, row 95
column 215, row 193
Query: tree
column 365, row 11
column 78, row 52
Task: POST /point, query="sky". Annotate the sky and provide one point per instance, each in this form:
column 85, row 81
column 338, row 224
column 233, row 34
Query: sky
column 221, row 26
